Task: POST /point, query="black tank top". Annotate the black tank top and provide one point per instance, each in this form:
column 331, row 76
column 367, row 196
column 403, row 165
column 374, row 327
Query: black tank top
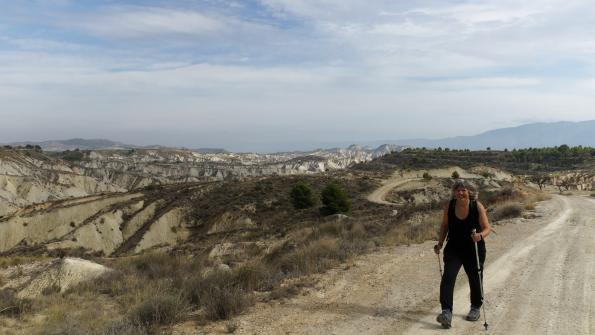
column 459, row 231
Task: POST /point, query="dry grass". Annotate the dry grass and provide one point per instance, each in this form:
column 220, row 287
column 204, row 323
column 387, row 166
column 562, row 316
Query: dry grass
column 18, row 260
column 67, row 316
column 414, row 231
column 531, row 199
column 159, row 308
column 315, row 257
column 12, row 306
column 506, row 210
column 219, row 294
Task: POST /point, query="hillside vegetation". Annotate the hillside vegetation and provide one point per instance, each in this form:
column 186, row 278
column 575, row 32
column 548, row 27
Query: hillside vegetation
column 229, row 244
column 518, row 161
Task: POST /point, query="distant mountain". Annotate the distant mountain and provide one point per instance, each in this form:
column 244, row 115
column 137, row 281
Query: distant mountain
column 533, row 135
column 529, row 135
column 210, row 151
column 101, row 144
column 77, row 143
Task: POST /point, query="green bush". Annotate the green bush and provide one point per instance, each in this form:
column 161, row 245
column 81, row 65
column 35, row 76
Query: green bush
column 302, row 196
column 334, row 200
column 427, row 176
column 455, row 175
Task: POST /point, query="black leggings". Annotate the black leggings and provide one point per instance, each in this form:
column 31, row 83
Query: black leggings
column 452, row 264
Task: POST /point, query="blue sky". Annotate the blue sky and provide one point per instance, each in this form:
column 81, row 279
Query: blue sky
column 268, row 75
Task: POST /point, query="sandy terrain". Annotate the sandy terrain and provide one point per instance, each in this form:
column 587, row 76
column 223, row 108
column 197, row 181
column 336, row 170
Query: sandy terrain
column 539, row 280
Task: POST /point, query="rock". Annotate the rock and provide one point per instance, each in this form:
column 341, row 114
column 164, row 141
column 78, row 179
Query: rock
column 223, row 268
column 58, row 275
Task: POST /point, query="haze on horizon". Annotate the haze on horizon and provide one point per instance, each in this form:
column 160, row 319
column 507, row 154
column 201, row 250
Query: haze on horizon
column 266, row 75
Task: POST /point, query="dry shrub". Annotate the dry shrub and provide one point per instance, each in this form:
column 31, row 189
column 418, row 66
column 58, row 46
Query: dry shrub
column 221, row 303
column 542, row 196
column 531, row 199
column 66, row 317
column 124, row 327
column 506, row 210
column 112, row 283
column 218, row 293
column 159, row 308
column 408, row 232
column 315, row 257
column 333, row 228
column 157, row 265
column 284, row 292
column 256, row 277
column 11, row 305
column 72, row 325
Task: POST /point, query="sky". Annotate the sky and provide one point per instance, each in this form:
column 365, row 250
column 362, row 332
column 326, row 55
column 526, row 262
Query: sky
column 271, row 75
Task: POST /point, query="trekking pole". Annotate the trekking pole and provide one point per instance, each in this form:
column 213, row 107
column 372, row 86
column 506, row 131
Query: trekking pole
column 439, row 265
column 479, row 273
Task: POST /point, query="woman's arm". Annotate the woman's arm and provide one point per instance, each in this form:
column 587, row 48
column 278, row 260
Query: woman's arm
column 483, row 223
column 443, row 230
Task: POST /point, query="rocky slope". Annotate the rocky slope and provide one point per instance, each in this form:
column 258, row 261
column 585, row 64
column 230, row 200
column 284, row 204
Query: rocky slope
column 30, row 176
column 108, row 224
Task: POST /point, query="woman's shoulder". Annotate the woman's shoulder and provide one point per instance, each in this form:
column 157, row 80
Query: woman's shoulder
column 449, row 204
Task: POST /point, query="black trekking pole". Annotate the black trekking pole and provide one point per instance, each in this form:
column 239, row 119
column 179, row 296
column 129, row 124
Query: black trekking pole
column 439, row 265
column 479, row 273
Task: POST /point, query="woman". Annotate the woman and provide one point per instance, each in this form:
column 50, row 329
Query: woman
column 463, row 214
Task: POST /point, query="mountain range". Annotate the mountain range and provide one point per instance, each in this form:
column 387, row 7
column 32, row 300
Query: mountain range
column 533, row 135
column 525, row 136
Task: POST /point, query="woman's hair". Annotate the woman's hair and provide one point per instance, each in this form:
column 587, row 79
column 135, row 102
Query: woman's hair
column 466, row 184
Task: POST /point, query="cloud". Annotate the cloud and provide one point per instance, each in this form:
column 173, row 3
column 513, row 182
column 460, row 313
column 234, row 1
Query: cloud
column 328, row 69
column 149, row 22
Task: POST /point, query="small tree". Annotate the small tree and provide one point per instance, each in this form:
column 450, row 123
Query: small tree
column 540, row 179
column 427, row 176
column 334, row 200
column 302, row 196
column 455, row 175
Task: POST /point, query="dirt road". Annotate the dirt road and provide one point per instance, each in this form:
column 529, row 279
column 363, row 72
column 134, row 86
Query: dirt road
column 539, row 280
column 379, row 195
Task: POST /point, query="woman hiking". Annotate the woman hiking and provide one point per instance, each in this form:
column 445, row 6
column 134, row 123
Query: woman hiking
column 462, row 215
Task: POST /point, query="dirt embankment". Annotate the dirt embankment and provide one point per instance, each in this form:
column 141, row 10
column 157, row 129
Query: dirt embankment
column 539, row 280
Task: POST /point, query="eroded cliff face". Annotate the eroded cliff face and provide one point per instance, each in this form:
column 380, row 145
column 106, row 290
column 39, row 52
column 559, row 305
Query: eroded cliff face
column 187, row 166
column 30, row 176
column 110, row 224
column 101, row 201
column 574, row 180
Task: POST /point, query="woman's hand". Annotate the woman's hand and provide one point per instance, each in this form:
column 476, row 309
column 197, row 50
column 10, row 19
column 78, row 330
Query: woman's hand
column 476, row 237
column 437, row 248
